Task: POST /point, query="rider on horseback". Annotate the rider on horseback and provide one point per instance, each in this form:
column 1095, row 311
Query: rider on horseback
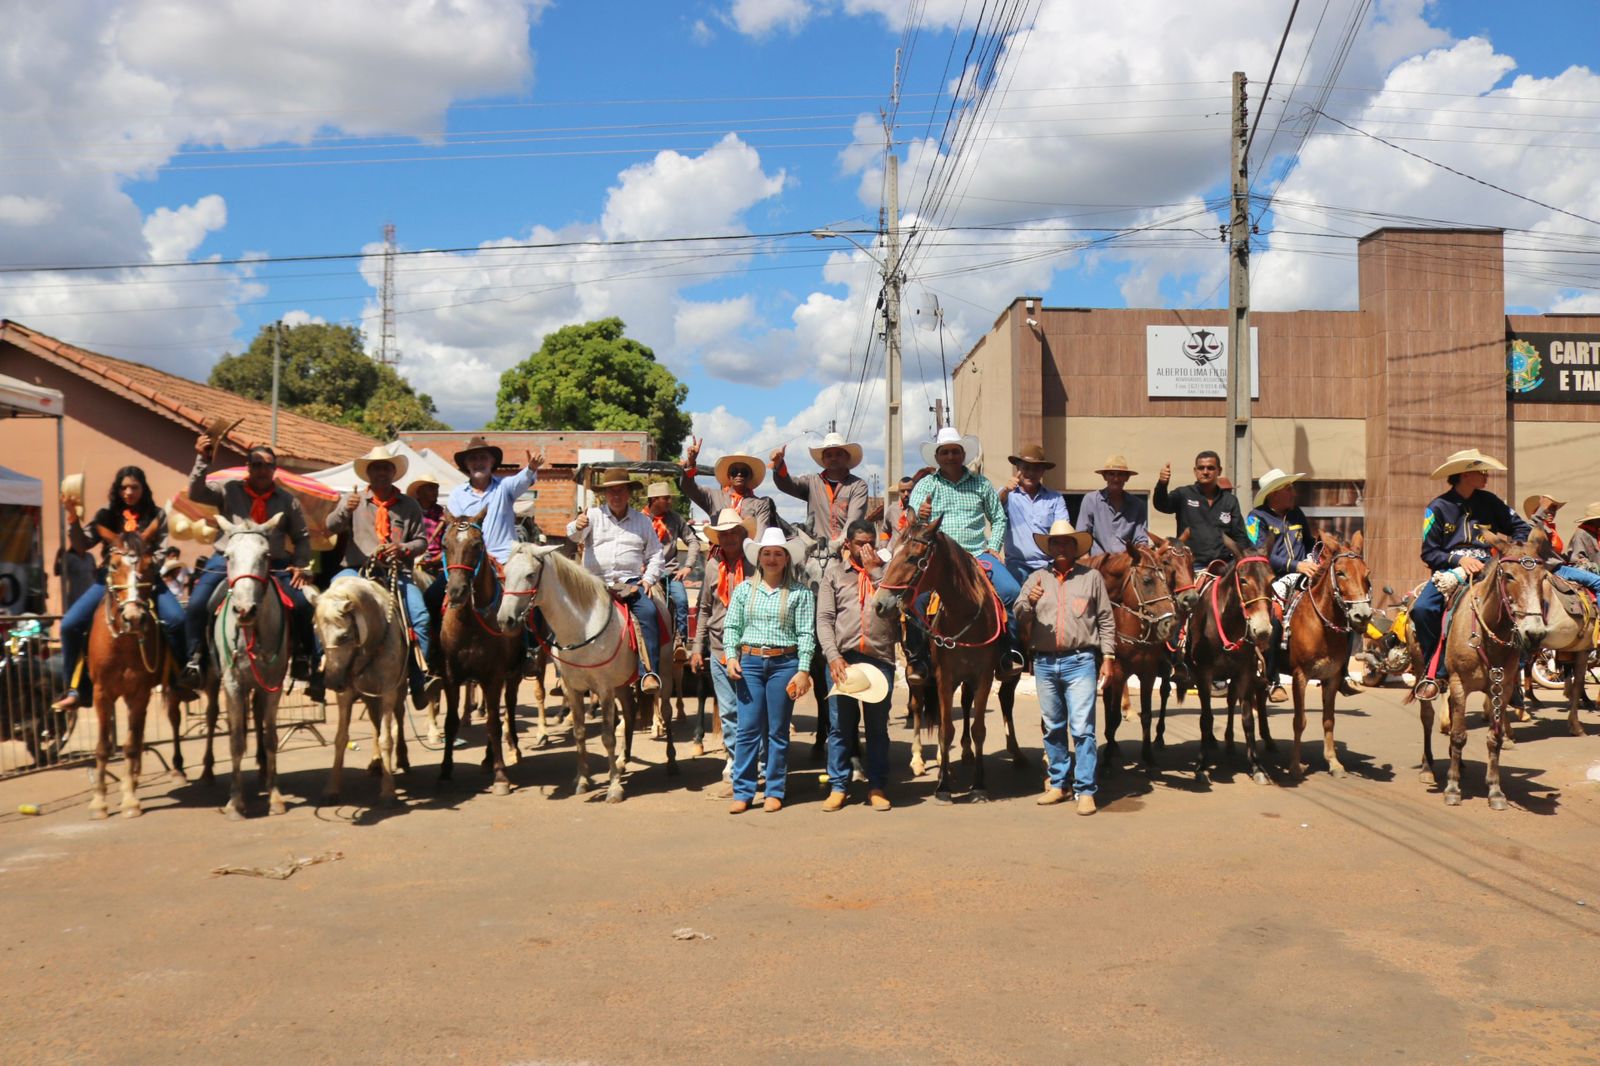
column 671, row 530
column 737, row 479
column 621, row 546
column 1290, row 555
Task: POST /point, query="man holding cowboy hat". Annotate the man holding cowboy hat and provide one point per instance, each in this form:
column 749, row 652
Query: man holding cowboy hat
column 725, row 570
column 1030, row 508
column 835, row 497
column 621, row 548
column 673, row 530
column 737, row 479
column 1065, row 616
column 1114, row 520
column 385, row 535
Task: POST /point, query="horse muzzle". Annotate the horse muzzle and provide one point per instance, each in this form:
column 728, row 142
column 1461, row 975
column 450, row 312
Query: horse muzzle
column 1360, row 615
column 1165, row 629
column 1187, row 600
column 1259, row 627
column 886, row 603
column 1531, row 631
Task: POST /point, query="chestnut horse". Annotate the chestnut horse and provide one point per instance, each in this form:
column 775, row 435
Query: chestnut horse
column 1146, row 616
column 1336, row 605
column 964, row 637
column 127, row 657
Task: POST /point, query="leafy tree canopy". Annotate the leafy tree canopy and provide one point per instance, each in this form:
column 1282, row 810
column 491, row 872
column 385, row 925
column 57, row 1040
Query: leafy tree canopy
column 590, row 376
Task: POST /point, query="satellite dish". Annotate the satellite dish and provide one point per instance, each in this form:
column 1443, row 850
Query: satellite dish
column 928, row 312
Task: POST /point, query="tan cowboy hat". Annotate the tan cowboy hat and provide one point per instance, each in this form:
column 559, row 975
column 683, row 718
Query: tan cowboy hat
column 178, row 525
column 218, row 429
column 380, row 454
column 658, row 490
column 205, row 532
column 1591, row 515
column 72, row 487
column 1272, row 481
column 478, row 444
column 949, row 435
column 170, row 565
column 1530, row 506
column 614, row 475
column 1464, row 460
column 1116, row 464
column 772, row 537
column 862, row 683
column 834, row 440
column 758, row 469
column 420, row 480
column 1033, row 453
column 727, row 519
column 1062, row 528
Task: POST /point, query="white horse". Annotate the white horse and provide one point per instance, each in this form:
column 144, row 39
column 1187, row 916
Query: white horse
column 365, row 654
column 590, row 648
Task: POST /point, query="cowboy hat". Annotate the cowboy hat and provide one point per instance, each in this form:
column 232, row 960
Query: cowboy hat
column 170, row 565
column 1116, row 464
column 949, row 435
column 758, row 469
column 862, row 683
column 612, row 476
column 72, row 487
column 658, row 490
column 1062, row 528
column 1272, row 481
column 834, row 440
column 178, row 525
column 205, row 532
column 420, row 480
column 218, row 429
column 380, row 454
column 1033, row 453
column 478, row 444
column 1464, row 460
column 1591, row 515
column 727, row 519
column 772, row 537
column 1530, row 506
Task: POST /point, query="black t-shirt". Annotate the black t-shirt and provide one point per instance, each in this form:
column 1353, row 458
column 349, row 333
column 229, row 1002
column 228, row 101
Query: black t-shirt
column 114, row 519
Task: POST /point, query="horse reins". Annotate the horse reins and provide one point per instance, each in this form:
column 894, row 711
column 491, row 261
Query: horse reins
column 1147, row 621
column 1342, row 604
column 250, row 631
column 1497, row 674
column 114, row 621
column 1244, row 604
column 472, row 586
column 914, row 588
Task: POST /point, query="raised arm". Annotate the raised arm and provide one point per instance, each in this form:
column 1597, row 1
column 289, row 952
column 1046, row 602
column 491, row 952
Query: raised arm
column 800, row 490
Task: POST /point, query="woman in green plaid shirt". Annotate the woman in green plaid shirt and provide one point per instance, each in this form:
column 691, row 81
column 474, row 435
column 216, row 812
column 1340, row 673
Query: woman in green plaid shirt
column 768, row 636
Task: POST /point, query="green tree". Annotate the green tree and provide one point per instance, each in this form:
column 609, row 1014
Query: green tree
column 325, row 373
column 590, row 376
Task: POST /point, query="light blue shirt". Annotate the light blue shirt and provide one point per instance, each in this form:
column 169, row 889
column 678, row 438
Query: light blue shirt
column 499, row 521
column 1027, row 515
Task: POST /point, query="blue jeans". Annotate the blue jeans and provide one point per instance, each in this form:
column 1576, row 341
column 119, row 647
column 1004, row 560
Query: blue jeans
column 843, row 714
column 1066, row 703
column 1427, row 616
column 678, row 596
column 415, row 606
column 1580, row 577
column 764, row 711
column 644, row 612
column 727, row 704
column 80, row 616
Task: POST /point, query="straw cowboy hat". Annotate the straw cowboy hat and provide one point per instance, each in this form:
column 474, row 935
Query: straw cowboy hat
column 1272, row 481
column 178, row 526
column 727, row 519
column 1465, row 460
column 204, row 532
column 218, row 429
column 1116, row 464
column 611, row 477
column 420, row 480
column 478, row 444
column 1591, row 515
column 1062, row 528
column 1033, row 453
column 949, row 435
column 834, row 440
column 758, row 469
column 170, row 565
column 862, row 683
column 772, row 537
column 1530, row 506
column 658, row 490
column 72, row 487
column 380, row 454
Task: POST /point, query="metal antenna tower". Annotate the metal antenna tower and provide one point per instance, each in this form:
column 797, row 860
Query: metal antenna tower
column 388, row 351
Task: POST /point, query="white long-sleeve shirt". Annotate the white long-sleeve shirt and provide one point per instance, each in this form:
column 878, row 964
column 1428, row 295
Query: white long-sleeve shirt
column 619, row 549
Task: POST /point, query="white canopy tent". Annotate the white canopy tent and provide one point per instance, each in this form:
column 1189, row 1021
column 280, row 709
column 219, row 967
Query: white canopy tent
column 23, row 399
column 343, row 476
column 20, row 489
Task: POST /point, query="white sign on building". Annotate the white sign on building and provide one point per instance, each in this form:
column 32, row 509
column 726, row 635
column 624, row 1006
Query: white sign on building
column 1191, row 362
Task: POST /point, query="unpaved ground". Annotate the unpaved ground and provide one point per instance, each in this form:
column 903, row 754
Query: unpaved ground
column 1356, row 920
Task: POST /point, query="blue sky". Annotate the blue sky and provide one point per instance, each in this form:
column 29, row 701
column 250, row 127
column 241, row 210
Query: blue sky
column 223, row 129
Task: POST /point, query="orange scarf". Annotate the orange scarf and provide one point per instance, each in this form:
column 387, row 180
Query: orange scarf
column 735, row 502
column 661, row 528
column 900, row 523
column 258, row 501
column 726, row 580
column 380, row 524
column 864, row 589
column 834, row 518
column 130, row 521
column 1555, row 538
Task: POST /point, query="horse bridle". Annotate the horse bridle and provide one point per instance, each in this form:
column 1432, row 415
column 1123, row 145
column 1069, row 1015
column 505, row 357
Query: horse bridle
column 1147, row 621
column 472, row 582
column 1502, row 578
column 913, row 587
column 507, row 592
column 1244, row 604
column 1340, row 602
column 114, row 620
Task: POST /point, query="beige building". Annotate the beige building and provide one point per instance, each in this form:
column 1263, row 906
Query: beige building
column 1366, row 402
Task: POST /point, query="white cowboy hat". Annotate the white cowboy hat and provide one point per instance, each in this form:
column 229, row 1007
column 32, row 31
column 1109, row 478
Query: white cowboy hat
column 862, row 683
column 658, row 489
column 1062, row 528
column 380, row 454
column 1591, row 515
column 1272, row 481
column 727, row 519
column 1464, row 460
column 772, row 537
column 1530, row 506
column 72, row 488
column 205, row 532
column 758, row 469
column 170, row 565
column 949, row 435
column 178, row 525
column 834, row 440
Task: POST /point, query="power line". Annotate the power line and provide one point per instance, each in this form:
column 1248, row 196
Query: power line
column 1271, row 74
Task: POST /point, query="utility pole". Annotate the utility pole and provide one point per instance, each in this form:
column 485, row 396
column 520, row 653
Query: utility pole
column 388, row 350
column 892, row 277
column 277, row 338
column 938, row 414
column 1238, row 453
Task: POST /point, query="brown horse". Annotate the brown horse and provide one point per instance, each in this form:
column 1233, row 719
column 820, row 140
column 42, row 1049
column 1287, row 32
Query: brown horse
column 1571, row 616
column 1495, row 620
column 474, row 647
column 1177, row 562
column 1336, row 605
column 964, row 637
column 1228, row 638
column 1146, row 616
column 127, row 657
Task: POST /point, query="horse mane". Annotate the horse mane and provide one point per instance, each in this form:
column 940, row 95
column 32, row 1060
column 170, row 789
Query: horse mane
column 357, row 593
column 576, row 583
column 965, row 568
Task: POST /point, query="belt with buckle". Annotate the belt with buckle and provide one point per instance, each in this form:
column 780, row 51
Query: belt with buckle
column 766, row 652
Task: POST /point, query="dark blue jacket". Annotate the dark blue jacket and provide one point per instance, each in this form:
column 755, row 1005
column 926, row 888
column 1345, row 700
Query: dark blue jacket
column 1293, row 543
column 1452, row 526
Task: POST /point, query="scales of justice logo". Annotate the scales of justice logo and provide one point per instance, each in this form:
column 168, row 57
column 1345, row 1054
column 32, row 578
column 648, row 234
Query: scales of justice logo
column 1524, row 368
column 1203, row 347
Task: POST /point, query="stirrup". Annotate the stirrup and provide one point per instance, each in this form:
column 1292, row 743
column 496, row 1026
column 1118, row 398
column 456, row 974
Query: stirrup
column 1426, row 689
column 650, row 682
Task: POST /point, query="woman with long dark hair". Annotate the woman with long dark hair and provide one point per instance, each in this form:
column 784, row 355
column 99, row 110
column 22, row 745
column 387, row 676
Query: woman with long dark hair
column 129, row 509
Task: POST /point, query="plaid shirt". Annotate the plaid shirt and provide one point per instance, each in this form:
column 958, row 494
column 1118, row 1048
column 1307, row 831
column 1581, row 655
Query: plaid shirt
column 753, row 619
column 965, row 506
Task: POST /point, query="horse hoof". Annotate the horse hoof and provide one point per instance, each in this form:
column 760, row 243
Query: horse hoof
column 1509, row 741
column 966, row 756
column 1497, row 803
column 98, row 813
column 234, row 813
column 1260, row 778
column 1336, row 770
column 1202, row 778
column 614, row 794
column 180, row 777
column 387, row 800
column 1019, row 760
column 500, row 788
column 1161, row 742
column 208, row 778
column 132, row 812
column 697, row 749
column 1452, row 799
column 513, row 756
column 581, row 788
column 1298, row 771
column 941, row 797
column 1426, row 777
column 277, row 807
column 330, row 795
column 980, row 795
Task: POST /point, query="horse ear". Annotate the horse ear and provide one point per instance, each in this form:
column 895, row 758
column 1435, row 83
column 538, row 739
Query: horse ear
column 1497, row 543
column 477, row 519
column 272, row 523
column 224, row 523
column 1358, row 543
column 1156, row 541
column 1233, row 545
column 934, row 523
column 150, row 533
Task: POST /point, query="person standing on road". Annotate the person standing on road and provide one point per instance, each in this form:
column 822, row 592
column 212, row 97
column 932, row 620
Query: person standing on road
column 1066, row 621
column 1115, row 520
column 1206, row 511
column 725, row 571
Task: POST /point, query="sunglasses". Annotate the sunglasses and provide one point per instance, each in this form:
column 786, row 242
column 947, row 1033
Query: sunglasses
column 738, row 471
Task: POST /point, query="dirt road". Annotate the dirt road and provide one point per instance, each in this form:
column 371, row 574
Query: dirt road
column 1356, row 920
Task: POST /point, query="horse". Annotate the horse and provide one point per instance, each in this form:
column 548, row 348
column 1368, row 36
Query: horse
column 1495, row 620
column 250, row 640
column 365, row 654
column 127, row 657
column 590, row 642
column 1340, row 602
column 1146, row 616
column 1227, row 639
column 1177, row 563
column 475, row 648
column 1571, row 616
column 965, row 653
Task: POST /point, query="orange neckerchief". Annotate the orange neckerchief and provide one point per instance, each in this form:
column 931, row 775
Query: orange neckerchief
column 380, row 523
column 864, row 589
column 1550, row 531
column 833, row 516
column 130, row 521
column 735, row 501
column 661, row 528
column 258, row 501
column 900, row 523
column 725, row 580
